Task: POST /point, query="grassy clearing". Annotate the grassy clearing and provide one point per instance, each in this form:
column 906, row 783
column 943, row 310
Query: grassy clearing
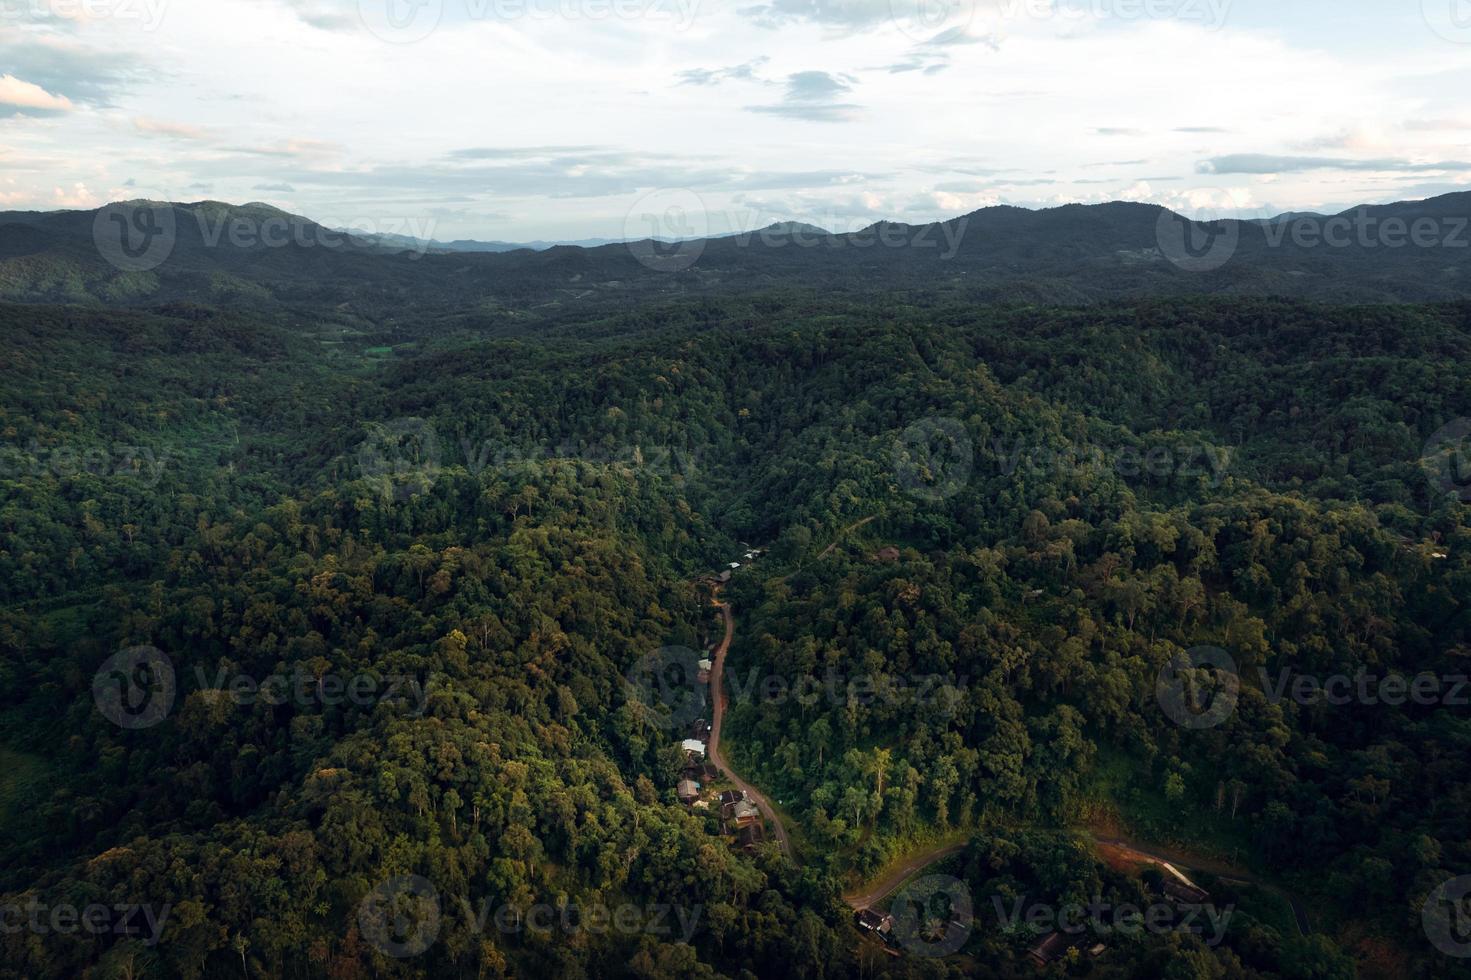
column 1123, row 799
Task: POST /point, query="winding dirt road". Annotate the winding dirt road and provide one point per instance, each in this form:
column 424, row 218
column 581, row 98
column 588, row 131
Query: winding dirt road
column 712, row 748
column 879, row 890
column 1223, row 871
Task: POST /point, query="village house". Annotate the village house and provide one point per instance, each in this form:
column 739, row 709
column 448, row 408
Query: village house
column 748, row 837
column 1055, row 945
column 878, row 923
column 688, row 791
column 1049, row 948
column 693, row 747
column 741, row 813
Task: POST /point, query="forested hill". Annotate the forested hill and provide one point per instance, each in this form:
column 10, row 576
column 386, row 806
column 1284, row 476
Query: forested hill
column 145, row 254
column 1043, row 507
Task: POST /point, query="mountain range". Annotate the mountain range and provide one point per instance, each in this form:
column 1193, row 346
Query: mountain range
column 215, row 253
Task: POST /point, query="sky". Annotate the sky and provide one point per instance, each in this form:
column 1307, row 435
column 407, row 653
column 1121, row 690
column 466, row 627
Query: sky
column 520, row 120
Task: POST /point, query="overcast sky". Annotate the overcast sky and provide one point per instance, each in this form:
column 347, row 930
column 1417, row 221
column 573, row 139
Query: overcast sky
column 524, row 119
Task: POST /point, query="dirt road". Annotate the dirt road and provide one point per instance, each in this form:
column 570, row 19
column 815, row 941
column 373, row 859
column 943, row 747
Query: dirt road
column 1217, row 868
column 877, row 891
column 712, row 748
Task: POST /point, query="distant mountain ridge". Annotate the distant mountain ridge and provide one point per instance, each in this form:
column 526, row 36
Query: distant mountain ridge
column 214, row 253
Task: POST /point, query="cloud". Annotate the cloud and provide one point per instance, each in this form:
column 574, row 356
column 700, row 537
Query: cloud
column 607, row 173
column 842, row 112
column 961, row 35
column 851, row 15
column 815, row 86
column 160, row 127
column 81, row 74
column 714, row 76
column 77, row 197
column 275, row 188
column 292, row 148
column 810, row 95
column 27, row 95
column 1117, row 131
column 1261, row 163
column 1200, row 129
column 323, row 14
column 519, row 152
column 1436, row 125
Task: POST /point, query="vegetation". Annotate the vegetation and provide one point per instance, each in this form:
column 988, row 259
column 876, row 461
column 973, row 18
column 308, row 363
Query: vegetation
column 493, row 522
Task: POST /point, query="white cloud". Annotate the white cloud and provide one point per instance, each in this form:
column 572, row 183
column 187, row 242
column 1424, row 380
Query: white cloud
column 25, row 95
column 160, row 127
column 77, row 197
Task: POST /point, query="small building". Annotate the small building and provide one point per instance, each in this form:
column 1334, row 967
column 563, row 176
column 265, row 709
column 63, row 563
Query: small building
column 1049, row 949
column 1181, row 889
column 693, row 746
column 724, row 576
column 734, row 565
column 749, row 836
column 887, row 555
column 688, row 791
column 731, row 796
column 702, row 674
column 741, row 813
column 1185, row 894
column 877, row 923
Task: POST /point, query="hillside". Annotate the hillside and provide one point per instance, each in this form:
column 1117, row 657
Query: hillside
column 214, row 253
